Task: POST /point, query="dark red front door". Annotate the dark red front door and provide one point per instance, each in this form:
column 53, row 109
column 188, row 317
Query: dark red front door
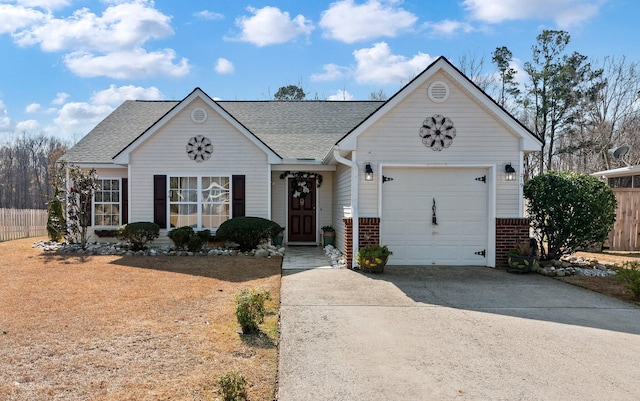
column 302, row 210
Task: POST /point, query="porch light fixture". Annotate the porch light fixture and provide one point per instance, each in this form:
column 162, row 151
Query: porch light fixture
column 368, row 172
column 509, row 172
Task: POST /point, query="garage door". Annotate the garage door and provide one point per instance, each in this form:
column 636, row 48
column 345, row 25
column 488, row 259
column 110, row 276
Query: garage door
column 455, row 197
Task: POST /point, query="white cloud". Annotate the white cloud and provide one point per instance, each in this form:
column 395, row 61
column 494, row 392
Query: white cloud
column 224, row 66
column 341, row 95
column 137, row 63
column 208, row 15
column 79, row 118
column 61, row 97
column 28, row 126
column 270, row 25
column 122, row 26
column 376, row 65
column 33, row 108
column 14, row 18
column 350, row 22
column 5, row 121
column 564, row 13
column 45, row 4
column 332, row 72
column 116, row 95
column 449, row 27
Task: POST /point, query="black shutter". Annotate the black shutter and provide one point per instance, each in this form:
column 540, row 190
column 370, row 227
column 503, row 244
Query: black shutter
column 160, row 200
column 238, row 195
column 124, row 201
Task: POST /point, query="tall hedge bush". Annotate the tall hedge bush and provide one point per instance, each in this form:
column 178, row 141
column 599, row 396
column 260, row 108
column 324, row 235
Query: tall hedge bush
column 569, row 211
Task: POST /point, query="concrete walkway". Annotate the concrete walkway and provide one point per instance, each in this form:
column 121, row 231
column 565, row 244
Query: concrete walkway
column 304, row 258
column 444, row 333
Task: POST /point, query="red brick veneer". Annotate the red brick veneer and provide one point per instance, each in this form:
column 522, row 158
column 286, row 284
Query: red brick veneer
column 508, row 232
column 368, row 234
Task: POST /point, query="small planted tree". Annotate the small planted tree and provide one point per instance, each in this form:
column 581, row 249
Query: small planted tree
column 55, row 219
column 569, row 212
column 76, row 196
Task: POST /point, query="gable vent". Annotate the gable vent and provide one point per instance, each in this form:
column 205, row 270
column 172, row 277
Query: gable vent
column 199, row 115
column 438, row 92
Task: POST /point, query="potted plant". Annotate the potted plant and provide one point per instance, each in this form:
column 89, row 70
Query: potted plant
column 328, row 235
column 278, row 237
column 522, row 259
column 373, row 258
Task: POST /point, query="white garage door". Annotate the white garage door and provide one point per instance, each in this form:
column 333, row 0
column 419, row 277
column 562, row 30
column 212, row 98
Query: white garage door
column 407, row 225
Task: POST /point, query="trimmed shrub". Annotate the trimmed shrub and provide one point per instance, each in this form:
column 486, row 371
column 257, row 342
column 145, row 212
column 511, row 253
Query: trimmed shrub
column 139, row 234
column 629, row 275
column 181, row 236
column 232, row 386
column 55, row 220
column 250, row 309
column 569, row 212
column 194, row 244
column 205, row 235
column 247, row 232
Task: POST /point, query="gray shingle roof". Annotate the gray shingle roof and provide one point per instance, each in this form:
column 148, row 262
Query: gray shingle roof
column 117, row 130
column 300, row 129
column 294, row 130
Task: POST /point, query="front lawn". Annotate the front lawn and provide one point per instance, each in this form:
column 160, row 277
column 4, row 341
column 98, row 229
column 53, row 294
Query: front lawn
column 130, row 328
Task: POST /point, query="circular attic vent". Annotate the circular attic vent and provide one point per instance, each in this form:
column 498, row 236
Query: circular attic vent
column 438, row 91
column 199, row 115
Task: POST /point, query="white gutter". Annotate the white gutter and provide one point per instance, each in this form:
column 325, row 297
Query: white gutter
column 355, row 232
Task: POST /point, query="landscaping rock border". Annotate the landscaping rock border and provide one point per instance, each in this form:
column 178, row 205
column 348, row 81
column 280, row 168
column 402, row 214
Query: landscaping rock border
column 122, row 248
column 575, row 266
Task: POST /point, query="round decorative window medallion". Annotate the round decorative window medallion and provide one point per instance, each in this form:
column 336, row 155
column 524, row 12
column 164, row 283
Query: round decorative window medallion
column 438, row 92
column 437, row 132
column 199, row 148
column 199, row 115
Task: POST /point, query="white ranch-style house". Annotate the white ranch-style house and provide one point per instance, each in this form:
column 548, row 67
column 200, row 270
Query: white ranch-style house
column 433, row 172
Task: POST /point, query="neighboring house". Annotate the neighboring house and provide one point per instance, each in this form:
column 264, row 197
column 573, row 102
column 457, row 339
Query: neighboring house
column 625, row 184
column 423, row 172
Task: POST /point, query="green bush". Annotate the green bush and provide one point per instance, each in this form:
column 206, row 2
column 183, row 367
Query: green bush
column 629, row 275
column 250, row 309
column 194, row 244
column 205, row 235
column 569, row 212
column 232, row 386
column 247, row 232
column 139, row 234
column 55, row 220
column 181, row 236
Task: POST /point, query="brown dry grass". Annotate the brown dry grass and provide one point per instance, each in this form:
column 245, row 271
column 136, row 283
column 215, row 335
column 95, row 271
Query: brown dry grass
column 606, row 285
column 130, row 328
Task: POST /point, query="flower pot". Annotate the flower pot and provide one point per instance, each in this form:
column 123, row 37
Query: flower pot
column 277, row 240
column 521, row 263
column 372, row 264
column 328, row 238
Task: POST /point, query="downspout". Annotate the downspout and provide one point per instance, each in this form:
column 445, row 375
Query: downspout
column 354, row 200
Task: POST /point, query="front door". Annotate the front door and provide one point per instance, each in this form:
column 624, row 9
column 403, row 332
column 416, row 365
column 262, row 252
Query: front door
column 302, row 210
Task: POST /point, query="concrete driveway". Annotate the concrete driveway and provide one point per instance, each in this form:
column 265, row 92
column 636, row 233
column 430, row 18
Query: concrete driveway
column 464, row 333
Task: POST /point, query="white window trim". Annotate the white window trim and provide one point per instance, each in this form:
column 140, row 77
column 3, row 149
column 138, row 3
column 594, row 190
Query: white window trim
column 93, row 204
column 199, row 193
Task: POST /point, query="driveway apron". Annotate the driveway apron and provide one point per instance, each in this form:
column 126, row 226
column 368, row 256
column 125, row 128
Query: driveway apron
column 441, row 333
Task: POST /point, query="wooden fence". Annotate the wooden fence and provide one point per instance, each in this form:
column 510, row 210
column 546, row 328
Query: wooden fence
column 22, row 223
column 625, row 235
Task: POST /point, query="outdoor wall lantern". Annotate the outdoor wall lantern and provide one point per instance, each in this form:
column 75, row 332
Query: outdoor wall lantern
column 368, row 172
column 509, row 172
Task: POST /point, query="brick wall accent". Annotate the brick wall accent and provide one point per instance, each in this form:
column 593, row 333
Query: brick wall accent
column 368, row 234
column 508, row 233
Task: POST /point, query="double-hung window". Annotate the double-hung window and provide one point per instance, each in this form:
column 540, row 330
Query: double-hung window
column 106, row 203
column 201, row 202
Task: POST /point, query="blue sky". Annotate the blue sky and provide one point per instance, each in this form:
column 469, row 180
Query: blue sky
column 66, row 64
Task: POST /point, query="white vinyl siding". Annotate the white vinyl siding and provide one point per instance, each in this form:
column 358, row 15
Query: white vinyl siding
column 164, row 153
column 341, row 200
column 481, row 140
